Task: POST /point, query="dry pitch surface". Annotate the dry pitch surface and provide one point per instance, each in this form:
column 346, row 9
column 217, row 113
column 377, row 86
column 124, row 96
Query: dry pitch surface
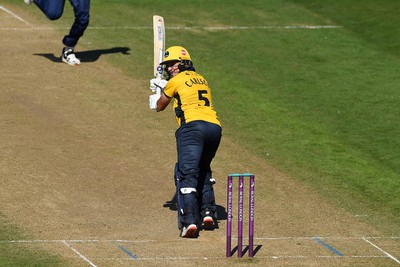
column 86, row 172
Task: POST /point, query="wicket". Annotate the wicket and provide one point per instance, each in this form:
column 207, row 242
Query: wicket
column 240, row 214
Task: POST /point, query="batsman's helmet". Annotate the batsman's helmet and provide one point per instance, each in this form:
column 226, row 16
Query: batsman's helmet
column 175, row 53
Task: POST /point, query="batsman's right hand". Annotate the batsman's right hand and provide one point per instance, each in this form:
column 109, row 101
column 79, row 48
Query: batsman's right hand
column 153, row 101
column 157, row 85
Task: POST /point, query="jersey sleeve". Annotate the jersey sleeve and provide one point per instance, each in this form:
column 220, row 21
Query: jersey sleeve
column 170, row 88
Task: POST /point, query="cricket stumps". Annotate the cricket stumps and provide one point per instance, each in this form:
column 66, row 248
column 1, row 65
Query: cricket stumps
column 240, row 215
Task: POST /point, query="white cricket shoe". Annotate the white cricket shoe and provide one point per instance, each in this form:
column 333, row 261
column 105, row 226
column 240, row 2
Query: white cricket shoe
column 208, row 222
column 68, row 56
column 189, row 231
column 28, row 2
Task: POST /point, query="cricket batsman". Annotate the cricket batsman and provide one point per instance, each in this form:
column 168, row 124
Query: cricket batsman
column 197, row 138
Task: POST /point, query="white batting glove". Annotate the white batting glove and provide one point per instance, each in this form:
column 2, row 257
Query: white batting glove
column 153, row 100
column 157, row 85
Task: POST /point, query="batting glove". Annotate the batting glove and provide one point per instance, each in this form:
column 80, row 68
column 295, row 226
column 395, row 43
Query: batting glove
column 153, row 100
column 157, row 85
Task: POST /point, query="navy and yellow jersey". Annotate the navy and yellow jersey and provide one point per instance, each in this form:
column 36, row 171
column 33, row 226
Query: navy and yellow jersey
column 192, row 98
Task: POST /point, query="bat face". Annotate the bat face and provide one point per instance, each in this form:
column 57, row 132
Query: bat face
column 159, row 43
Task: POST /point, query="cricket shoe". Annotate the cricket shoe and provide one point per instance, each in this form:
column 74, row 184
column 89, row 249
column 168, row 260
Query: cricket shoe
column 28, row 2
column 68, row 56
column 189, row 231
column 208, row 221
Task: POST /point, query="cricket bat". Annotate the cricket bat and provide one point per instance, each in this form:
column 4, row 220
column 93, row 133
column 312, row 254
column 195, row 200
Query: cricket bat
column 159, row 44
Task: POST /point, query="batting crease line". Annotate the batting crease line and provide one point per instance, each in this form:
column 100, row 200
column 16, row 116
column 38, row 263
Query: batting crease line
column 65, row 242
column 384, row 252
column 15, row 16
column 222, row 257
column 148, row 241
column 317, row 256
column 329, row 237
column 79, row 254
column 132, row 256
column 74, row 241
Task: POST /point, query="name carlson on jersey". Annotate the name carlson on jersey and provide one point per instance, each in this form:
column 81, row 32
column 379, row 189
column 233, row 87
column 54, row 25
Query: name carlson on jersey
column 194, row 81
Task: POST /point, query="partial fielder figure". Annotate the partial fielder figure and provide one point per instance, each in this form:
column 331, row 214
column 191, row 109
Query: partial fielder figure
column 53, row 9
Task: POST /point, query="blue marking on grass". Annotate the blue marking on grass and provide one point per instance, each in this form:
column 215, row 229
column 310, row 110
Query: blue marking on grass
column 130, row 254
column 327, row 246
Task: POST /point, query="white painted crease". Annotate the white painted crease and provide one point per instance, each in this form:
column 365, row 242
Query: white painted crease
column 81, row 241
column 75, row 241
column 384, row 252
column 15, row 16
column 216, row 28
column 79, row 254
column 220, row 28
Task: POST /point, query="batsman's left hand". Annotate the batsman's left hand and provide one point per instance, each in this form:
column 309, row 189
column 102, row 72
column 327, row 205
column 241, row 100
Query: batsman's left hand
column 157, row 85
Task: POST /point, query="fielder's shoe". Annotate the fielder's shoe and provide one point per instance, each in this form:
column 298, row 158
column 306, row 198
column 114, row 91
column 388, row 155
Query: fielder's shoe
column 68, row 56
column 208, row 221
column 28, row 2
column 189, row 231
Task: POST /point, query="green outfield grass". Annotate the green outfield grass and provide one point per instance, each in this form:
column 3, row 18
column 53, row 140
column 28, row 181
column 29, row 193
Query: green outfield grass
column 22, row 254
column 322, row 105
column 319, row 104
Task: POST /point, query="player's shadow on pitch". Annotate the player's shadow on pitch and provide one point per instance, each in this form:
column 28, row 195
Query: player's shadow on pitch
column 90, row 55
column 173, row 205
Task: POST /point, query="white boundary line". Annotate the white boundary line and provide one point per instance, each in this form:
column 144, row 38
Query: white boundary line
column 15, row 16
